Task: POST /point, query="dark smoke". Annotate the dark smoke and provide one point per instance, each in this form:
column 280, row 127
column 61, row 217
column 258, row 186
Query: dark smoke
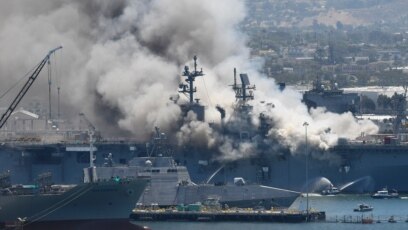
column 123, row 59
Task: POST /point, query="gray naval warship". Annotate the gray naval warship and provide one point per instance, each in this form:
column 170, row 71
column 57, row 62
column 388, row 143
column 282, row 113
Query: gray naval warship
column 331, row 97
column 363, row 165
column 171, row 185
column 355, row 166
column 45, row 201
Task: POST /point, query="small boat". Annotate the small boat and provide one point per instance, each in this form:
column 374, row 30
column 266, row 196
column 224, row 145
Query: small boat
column 385, row 194
column 363, row 208
column 367, row 220
column 392, row 219
column 331, row 191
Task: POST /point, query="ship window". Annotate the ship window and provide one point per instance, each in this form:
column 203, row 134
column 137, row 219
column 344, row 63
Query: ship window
column 83, row 157
column 122, row 161
column 155, row 170
column 171, row 170
column 45, row 158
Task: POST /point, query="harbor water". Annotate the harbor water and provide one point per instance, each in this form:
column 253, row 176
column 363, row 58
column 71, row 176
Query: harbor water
column 339, row 215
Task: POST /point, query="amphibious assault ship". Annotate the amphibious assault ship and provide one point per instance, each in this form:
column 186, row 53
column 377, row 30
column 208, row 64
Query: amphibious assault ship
column 331, row 97
column 360, row 165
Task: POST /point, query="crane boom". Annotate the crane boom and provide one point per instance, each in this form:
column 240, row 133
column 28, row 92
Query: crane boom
column 26, row 87
column 91, row 127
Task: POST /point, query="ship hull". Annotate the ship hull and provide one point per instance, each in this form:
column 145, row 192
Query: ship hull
column 90, row 201
column 122, row 224
column 241, row 196
column 170, row 185
column 367, row 167
column 231, row 195
column 357, row 169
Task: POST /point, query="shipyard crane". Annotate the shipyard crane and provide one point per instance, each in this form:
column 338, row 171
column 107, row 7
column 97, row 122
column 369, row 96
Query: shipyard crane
column 91, row 127
column 26, row 87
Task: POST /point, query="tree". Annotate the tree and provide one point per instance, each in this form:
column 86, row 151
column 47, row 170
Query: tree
column 397, row 101
column 319, row 55
column 368, row 105
column 383, row 101
column 339, row 25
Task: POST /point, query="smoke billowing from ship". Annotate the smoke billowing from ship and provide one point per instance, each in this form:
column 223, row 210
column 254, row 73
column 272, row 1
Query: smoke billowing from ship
column 122, row 61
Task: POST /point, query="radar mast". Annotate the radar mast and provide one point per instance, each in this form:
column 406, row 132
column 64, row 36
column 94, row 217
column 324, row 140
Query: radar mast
column 244, row 91
column 189, row 89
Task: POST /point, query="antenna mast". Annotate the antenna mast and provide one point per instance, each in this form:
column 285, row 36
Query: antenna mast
column 243, row 91
column 190, row 78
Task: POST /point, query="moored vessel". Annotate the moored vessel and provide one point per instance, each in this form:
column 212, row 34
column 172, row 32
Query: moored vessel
column 103, row 199
column 364, row 163
column 363, row 208
column 170, row 183
column 385, row 194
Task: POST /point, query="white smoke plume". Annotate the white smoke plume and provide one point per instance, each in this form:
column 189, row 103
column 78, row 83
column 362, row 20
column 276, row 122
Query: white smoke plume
column 196, row 132
column 122, row 61
column 232, row 151
column 289, row 114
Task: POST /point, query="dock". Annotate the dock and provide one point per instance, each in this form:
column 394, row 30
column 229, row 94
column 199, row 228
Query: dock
column 283, row 216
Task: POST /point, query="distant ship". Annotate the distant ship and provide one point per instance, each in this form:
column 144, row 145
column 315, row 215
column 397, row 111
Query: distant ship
column 331, row 97
column 385, row 194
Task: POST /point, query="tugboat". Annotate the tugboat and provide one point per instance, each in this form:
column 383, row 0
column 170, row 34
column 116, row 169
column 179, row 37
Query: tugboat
column 385, row 194
column 364, row 208
column 392, row 220
column 331, row 191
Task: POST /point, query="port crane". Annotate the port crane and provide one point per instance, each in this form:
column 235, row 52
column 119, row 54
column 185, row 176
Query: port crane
column 90, row 126
column 26, row 87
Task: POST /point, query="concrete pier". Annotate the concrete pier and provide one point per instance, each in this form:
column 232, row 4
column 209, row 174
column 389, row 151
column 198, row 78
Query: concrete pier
column 284, row 216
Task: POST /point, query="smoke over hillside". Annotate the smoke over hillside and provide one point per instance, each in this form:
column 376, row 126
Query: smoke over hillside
column 122, row 61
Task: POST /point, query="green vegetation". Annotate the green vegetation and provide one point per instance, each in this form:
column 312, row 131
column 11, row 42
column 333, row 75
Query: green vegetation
column 296, row 52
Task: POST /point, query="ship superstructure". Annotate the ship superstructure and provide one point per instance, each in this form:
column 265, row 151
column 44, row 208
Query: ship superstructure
column 189, row 90
column 240, row 124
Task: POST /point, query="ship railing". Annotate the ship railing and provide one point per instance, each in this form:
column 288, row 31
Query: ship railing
column 58, row 137
column 33, row 141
